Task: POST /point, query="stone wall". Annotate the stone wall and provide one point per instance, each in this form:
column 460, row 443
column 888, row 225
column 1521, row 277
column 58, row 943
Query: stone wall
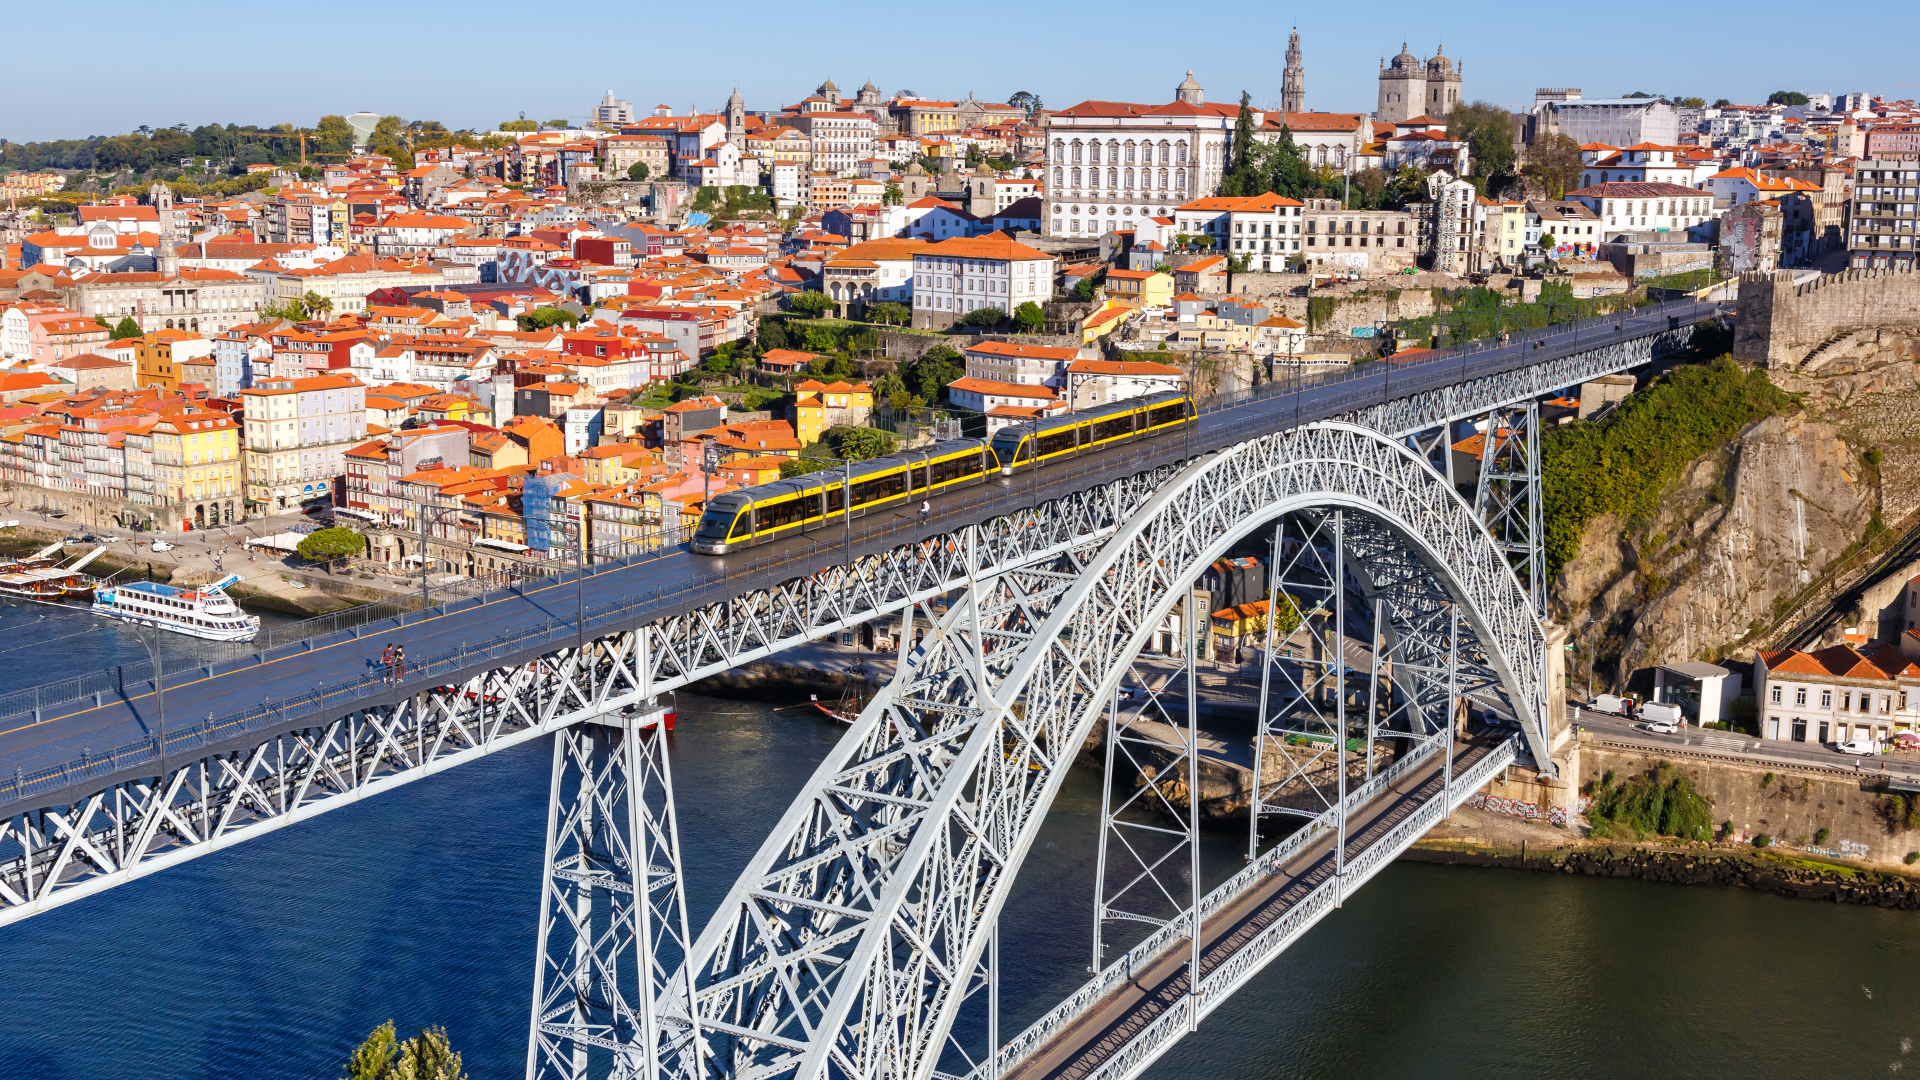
column 1781, row 324
column 1788, row 803
column 91, row 512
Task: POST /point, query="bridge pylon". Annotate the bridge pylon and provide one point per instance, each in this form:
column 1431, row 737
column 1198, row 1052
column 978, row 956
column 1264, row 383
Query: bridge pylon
column 613, row 911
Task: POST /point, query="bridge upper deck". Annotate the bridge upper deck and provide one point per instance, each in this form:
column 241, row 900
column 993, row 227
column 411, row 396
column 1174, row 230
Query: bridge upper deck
column 87, row 742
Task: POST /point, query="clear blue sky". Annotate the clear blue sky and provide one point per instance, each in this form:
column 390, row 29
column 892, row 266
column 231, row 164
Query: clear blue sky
column 473, row 65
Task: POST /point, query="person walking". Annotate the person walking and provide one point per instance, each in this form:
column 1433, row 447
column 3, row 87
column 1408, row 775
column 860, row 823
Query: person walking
column 386, row 661
column 399, row 662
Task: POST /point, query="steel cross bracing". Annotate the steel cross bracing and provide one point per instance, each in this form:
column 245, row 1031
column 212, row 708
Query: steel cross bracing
column 613, row 911
column 132, row 825
column 845, row 946
column 120, row 821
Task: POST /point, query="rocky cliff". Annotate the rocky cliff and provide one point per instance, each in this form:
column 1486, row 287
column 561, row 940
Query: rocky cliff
column 1758, row 530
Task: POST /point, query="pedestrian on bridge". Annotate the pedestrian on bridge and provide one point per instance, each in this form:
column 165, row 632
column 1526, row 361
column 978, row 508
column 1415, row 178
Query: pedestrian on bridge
column 386, row 660
column 399, row 662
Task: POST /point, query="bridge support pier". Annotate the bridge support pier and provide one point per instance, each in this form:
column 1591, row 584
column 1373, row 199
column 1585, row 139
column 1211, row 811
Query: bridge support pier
column 1556, row 789
column 613, row 916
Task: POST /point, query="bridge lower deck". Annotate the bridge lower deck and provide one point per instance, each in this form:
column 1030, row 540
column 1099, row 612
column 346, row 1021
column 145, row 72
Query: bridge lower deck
column 1082, row 1048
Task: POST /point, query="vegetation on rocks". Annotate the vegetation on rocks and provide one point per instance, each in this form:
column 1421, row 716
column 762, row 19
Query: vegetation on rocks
column 1622, row 464
column 1663, row 802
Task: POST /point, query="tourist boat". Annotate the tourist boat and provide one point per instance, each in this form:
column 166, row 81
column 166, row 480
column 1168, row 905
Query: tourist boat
column 203, row 612
column 38, row 560
column 47, row 583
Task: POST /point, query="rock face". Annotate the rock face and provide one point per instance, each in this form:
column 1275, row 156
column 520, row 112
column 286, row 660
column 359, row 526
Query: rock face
column 1734, row 546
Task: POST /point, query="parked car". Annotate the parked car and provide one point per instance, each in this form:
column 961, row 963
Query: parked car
column 160, row 545
column 1663, row 727
column 1865, row 747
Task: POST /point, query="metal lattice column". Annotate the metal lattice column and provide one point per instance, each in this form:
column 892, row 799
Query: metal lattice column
column 613, row 913
column 1507, row 495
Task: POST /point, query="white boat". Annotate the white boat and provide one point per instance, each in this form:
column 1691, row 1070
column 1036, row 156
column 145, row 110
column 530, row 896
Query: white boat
column 206, row 612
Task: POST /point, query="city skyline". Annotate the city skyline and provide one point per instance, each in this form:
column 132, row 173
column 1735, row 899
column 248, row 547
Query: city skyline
column 775, row 64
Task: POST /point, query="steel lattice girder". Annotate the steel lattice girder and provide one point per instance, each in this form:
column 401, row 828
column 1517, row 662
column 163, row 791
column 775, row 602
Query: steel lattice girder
column 843, row 948
column 129, row 827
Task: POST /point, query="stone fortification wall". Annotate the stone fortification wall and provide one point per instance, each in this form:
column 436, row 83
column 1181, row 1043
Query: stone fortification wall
column 1780, row 324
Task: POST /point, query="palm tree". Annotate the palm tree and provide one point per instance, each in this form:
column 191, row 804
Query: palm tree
column 317, row 304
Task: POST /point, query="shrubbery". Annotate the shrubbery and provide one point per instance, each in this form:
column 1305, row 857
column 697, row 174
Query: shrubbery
column 1663, row 802
column 1623, row 464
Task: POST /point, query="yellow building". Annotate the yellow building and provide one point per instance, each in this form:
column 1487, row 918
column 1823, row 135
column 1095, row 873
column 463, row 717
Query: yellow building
column 1104, row 320
column 818, row 406
column 1140, row 288
column 158, row 357
column 196, row 456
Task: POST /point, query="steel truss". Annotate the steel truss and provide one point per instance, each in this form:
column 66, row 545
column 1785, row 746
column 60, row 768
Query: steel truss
column 1507, row 494
column 613, row 912
column 845, row 947
column 135, row 823
column 88, row 829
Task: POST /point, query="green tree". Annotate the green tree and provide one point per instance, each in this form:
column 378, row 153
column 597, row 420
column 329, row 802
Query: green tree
column 317, row 304
column 802, row 465
column 890, row 313
column 985, row 317
column 1028, row 102
column 811, row 304
column 1786, row 97
column 706, row 198
column 126, row 328
column 1029, row 317
column 518, row 125
column 892, row 195
column 292, row 309
column 427, row 1056
column 331, row 545
column 637, row 171
column 546, row 317
column 1285, row 166
column 1663, row 802
column 333, row 135
column 1721, row 103
column 1692, row 103
column 928, row 376
column 1553, row 161
column 1084, row 290
column 1242, row 176
column 1546, row 242
column 1487, row 129
column 859, row 444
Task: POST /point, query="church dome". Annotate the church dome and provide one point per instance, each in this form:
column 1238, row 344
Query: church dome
column 1406, row 61
column 1439, row 65
column 828, row 88
column 870, row 89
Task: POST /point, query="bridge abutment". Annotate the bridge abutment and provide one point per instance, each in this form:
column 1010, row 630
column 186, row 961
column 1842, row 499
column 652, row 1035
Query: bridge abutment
column 1525, row 783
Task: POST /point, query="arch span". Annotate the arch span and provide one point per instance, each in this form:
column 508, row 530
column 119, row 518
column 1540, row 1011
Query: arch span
column 845, row 947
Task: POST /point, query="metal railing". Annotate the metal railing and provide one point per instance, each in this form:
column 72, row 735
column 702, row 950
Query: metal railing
column 1394, row 380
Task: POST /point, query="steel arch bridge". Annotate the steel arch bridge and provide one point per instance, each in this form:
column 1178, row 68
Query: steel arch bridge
column 847, row 945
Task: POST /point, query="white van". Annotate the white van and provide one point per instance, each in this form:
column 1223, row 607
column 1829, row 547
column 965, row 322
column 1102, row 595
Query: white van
column 1864, row 747
column 1609, row 704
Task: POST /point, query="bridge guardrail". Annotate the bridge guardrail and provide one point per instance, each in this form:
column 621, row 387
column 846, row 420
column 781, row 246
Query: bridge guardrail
column 1218, row 984
column 1118, row 973
column 1420, row 376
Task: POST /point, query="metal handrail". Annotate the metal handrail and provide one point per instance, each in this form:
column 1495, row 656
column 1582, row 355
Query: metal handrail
column 1446, row 368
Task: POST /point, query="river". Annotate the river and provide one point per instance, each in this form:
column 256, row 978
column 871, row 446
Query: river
column 275, row 958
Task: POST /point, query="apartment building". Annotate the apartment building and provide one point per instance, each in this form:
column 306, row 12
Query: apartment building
column 297, row 433
column 1886, row 214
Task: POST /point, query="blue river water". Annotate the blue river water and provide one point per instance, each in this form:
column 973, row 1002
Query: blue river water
column 275, row 958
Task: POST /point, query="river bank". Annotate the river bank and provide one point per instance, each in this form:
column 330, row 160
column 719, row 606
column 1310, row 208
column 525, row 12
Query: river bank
column 270, row 585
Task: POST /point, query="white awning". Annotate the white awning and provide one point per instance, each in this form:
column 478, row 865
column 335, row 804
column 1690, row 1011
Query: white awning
column 364, row 515
column 503, row 545
column 286, row 541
